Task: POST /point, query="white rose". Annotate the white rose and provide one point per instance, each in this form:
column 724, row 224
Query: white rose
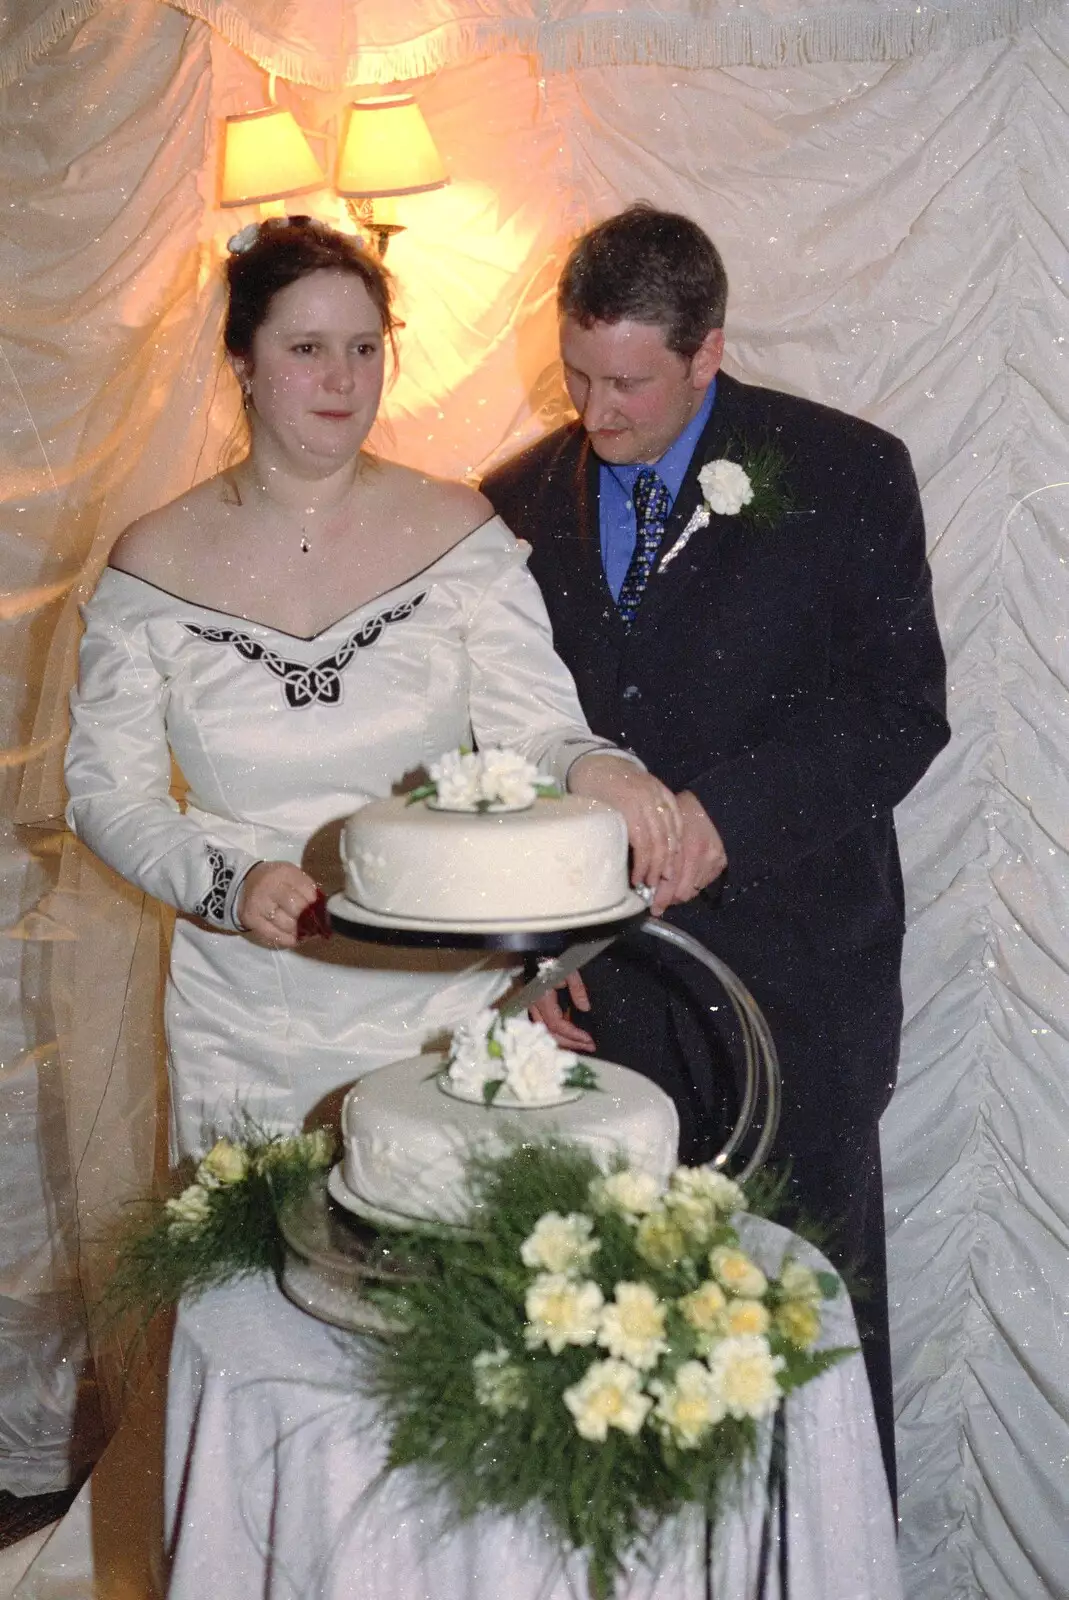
column 632, row 1193
column 534, row 1064
column 470, row 1066
column 560, row 1244
column 688, row 1407
column 507, row 779
column 744, row 1373
column 456, row 778
column 498, row 1381
column 726, row 487
column 632, row 1327
column 189, row 1211
column 798, row 1283
column 708, row 1185
column 608, row 1396
column 225, row 1163
column 561, row 1311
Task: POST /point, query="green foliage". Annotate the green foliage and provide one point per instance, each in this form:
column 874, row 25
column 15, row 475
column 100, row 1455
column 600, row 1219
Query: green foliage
column 231, row 1233
column 468, row 1298
column 766, row 467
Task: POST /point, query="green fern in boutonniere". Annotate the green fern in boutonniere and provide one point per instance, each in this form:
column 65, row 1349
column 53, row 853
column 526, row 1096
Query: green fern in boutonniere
column 747, row 483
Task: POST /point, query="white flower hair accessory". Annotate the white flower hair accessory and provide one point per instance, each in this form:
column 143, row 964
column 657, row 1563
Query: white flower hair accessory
column 244, row 239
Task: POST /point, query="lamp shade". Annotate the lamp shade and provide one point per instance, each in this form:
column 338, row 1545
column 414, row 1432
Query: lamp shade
column 267, row 157
column 387, row 150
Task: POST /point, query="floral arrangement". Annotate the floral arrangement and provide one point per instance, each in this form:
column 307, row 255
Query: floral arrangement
column 221, row 1226
column 750, row 487
column 599, row 1349
column 591, row 1346
column 492, row 1055
column 486, row 780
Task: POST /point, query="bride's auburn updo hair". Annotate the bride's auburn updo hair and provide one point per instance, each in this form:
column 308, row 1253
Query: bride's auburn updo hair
column 269, row 256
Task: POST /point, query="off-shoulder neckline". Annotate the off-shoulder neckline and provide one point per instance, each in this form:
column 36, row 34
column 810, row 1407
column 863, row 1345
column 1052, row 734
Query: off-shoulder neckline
column 303, row 638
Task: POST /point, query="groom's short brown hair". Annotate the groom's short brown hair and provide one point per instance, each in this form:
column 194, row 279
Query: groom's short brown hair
column 651, row 266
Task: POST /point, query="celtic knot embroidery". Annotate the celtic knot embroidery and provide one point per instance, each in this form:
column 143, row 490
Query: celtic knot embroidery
column 317, row 682
column 213, row 906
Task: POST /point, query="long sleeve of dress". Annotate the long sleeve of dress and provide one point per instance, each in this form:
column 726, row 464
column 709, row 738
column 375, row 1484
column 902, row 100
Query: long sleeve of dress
column 118, row 772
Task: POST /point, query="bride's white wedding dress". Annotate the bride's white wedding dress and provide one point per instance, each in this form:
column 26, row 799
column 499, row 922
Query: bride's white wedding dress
column 279, row 738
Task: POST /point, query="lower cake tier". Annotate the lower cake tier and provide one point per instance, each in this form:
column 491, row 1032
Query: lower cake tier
column 406, row 1142
column 558, row 859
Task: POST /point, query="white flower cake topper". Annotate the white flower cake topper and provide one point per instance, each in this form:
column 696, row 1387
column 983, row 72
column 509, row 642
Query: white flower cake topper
column 514, row 1058
column 487, row 780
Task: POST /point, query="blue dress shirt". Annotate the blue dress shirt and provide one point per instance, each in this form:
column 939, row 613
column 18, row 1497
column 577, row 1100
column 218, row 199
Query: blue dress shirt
column 616, row 514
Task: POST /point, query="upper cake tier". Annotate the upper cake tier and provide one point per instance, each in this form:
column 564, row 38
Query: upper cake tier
column 560, row 858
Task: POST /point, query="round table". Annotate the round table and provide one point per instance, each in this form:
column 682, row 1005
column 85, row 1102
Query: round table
column 274, row 1481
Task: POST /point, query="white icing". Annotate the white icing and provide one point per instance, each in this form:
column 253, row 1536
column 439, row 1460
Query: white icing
column 399, row 1108
column 560, row 858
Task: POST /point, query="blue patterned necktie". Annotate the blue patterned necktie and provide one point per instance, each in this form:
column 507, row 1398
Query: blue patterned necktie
column 652, row 506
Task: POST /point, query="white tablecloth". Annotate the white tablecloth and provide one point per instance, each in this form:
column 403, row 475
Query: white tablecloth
column 274, row 1485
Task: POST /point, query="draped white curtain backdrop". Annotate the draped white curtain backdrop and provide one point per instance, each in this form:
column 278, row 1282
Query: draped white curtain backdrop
column 888, row 184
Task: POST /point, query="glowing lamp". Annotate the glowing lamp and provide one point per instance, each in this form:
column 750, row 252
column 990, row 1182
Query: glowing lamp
column 267, row 158
column 387, row 151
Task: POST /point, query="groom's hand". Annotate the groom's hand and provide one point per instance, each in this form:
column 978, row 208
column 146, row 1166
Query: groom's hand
column 565, row 1029
column 701, row 857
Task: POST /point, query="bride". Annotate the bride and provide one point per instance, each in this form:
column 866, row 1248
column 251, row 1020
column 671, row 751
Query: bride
column 302, row 633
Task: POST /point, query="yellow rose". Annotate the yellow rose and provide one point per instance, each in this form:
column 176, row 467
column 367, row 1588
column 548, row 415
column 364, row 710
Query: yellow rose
column 745, row 1375
column 632, row 1328
column 225, row 1163
column 659, row 1240
column 561, row 1311
column 690, row 1405
column 799, row 1321
column 737, row 1272
column 609, row 1396
column 704, row 1306
column 745, row 1316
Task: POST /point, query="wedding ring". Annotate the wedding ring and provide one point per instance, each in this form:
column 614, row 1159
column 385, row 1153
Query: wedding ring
column 270, row 915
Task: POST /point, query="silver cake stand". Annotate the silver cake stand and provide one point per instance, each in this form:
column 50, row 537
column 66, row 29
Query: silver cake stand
column 331, row 1256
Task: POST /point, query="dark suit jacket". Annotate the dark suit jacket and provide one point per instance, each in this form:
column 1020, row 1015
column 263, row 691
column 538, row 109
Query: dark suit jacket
column 793, row 679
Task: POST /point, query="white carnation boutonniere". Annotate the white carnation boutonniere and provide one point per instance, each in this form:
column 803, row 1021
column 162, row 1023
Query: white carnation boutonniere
column 746, row 483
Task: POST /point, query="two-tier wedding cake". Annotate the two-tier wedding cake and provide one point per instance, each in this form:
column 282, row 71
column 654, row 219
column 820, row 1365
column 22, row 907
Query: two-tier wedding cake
column 487, row 842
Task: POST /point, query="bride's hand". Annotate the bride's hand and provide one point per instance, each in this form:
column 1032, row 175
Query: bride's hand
column 650, row 811
column 271, row 900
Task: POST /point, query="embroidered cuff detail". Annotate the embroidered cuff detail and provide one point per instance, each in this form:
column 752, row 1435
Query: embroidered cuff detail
column 216, row 903
column 233, row 895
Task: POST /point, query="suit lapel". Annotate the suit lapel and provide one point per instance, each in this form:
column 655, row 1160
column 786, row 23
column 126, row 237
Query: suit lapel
column 585, row 531
column 673, row 580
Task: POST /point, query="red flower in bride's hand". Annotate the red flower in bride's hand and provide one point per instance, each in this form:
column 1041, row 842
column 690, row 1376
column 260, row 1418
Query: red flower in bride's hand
column 314, row 920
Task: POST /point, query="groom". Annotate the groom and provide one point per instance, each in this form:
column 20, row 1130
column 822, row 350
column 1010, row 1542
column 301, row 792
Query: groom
column 777, row 664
